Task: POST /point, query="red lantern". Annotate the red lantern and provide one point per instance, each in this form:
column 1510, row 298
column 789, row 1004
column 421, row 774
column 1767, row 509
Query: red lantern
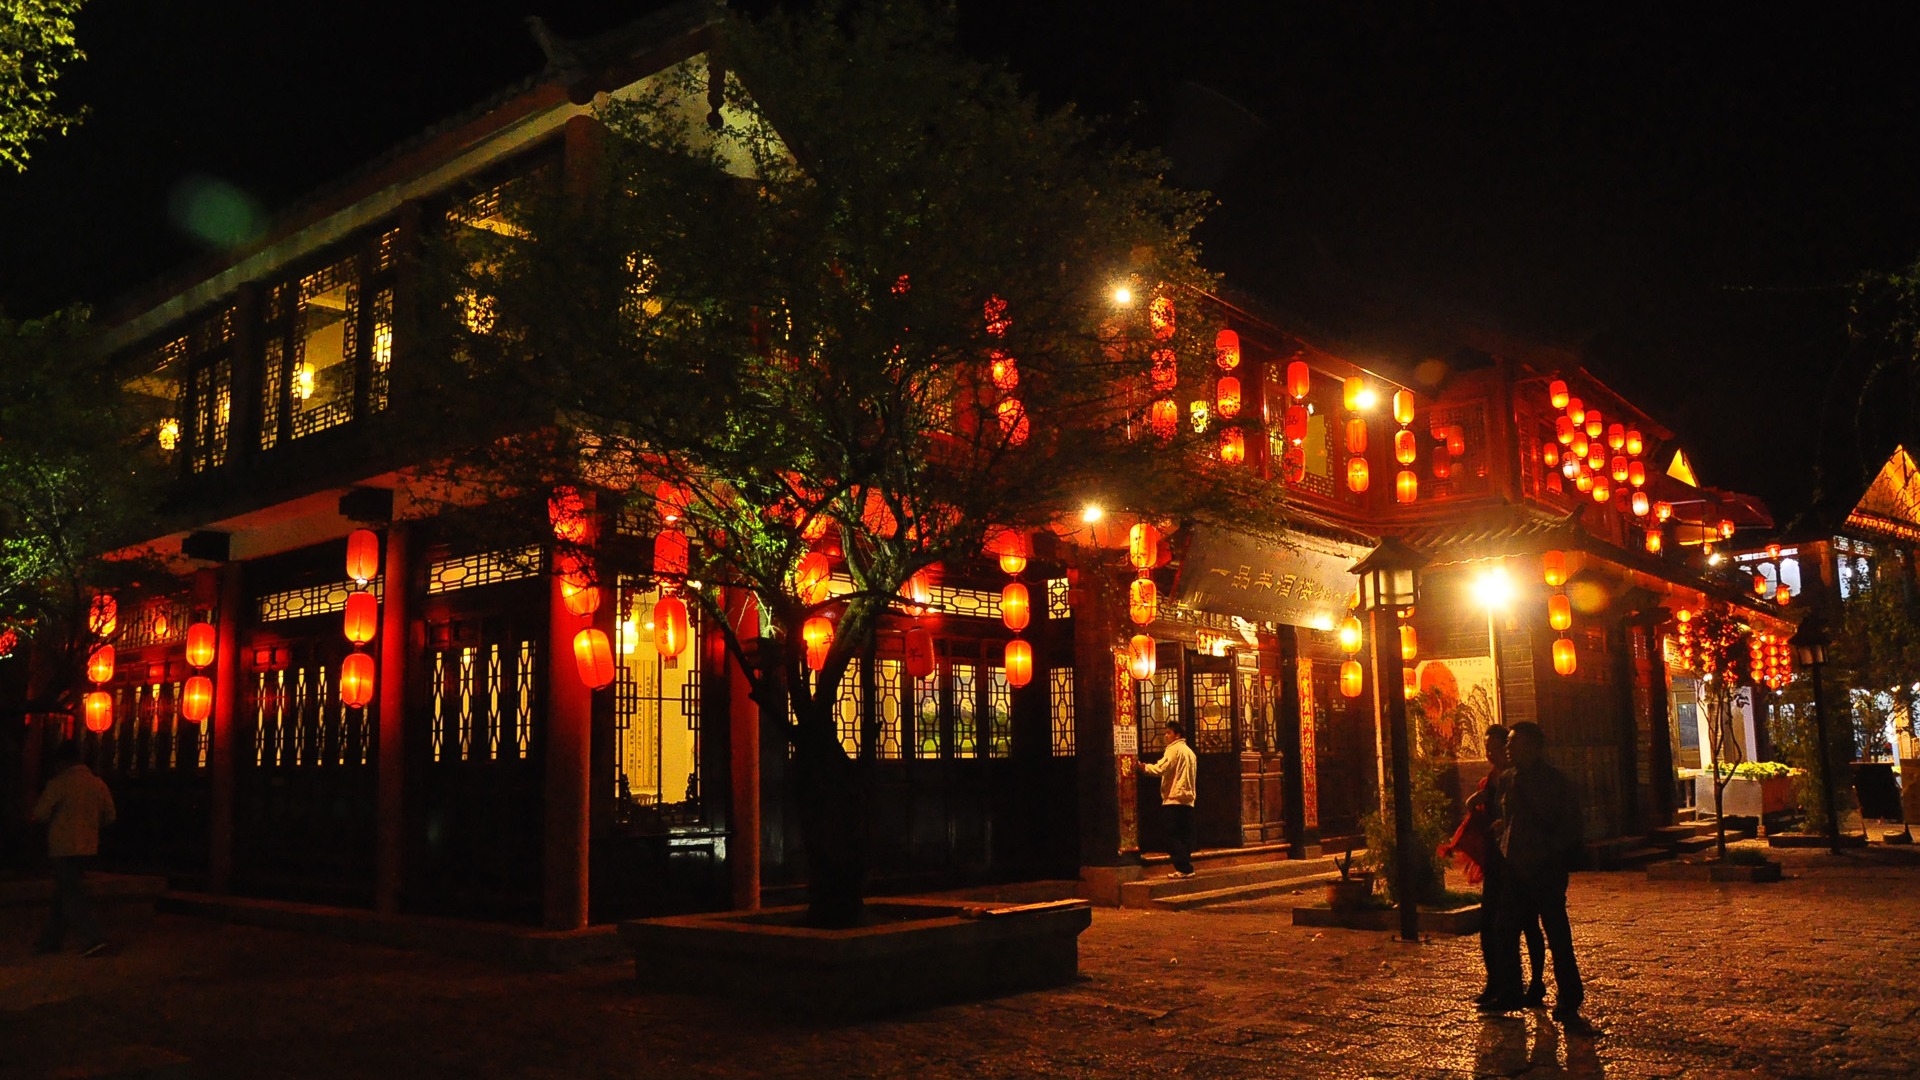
column 363, row 617
column 1559, row 611
column 1165, row 371
column 1565, row 659
column 1352, row 680
column 1635, row 442
column 1576, row 411
column 1233, row 446
column 1549, row 455
column 1640, row 504
column 817, row 633
column 579, row 598
column 672, row 501
column 1409, row 643
column 103, row 616
column 1299, row 379
column 1357, row 475
column 1014, row 610
column 1143, row 657
column 1557, row 393
column 99, row 711
column 670, row 626
column 1012, row 547
column 1442, row 463
column 1014, row 426
column 1143, row 601
column 1563, row 430
column 356, row 678
column 1143, row 546
column 1294, row 424
column 1226, row 350
column 1350, row 635
column 592, row 657
column 363, row 555
column 1760, row 586
column 919, row 650
column 1726, row 529
column 1553, row 568
column 1405, row 447
column 1293, row 465
column 1602, row 490
column 1019, row 662
column 1596, row 424
column 1351, row 391
column 1005, row 371
column 1618, row 469
column 1637, row 473
column 100, row 664
column 1406, row 486
column 1617, row 436
column 1781, row 595
column 1226, row 396
column 812, row 578
column 201, row 646
column 196, row 699
column 1653, row 541
column 915, row 590
column 1662, row 511
column 567, row 513
column 1403, row 407
column 1164, row 419
column 1356, row 436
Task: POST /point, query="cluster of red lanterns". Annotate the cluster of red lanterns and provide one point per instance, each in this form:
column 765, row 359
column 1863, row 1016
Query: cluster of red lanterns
column 1143, row 600
column 1004, row 371
column 1603, row 460
column 1685, row 645
column 579, row 578
column 1016, row 604
column 1293, row 425
column 103, row 619
column 196, row 697
column 1352, row 677
column 1406, row 485
column 1356, row 440
column 1163, row 415
column 1770, row 659
column 362, row 619
column 1553, row 569
column 1450, row 444
column 1776, row 590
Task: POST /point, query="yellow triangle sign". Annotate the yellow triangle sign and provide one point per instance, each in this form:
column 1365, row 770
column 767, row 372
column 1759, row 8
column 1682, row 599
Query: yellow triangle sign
column 1682, row 470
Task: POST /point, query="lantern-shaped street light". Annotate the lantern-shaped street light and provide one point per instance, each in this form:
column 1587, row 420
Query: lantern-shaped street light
column 1387, row 582
column 1810, row 643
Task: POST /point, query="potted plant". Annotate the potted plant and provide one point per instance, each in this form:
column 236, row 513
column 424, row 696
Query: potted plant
column 1354, row 888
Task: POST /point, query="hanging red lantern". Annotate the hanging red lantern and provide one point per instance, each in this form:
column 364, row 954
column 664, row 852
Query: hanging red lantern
column 1226, row 350
column 1409, row 683
column 1406, row 486
column 1549, row 455
column 1557, row 393
column 1012, row 547
column 671, row 549
column 916, row 590
column 1143, row 601
column 1653, row 541
column 919, row 653
column 363, row 617
column 1640, row 504
column 1352, row 680
column 1293, row 465
column 1596, row 424
column 1160, row 317
column 579, row 599
column 1004, row 370
column 1357, row 477
column 1781, row 595
column 592, row 658
column 1576, row 411
column 567, row 513
column 1726, row 529
column 1565, row 659
column 817, row 634
column 1403, row 407
column 1617, row 436
column 1597, row 460
column 1637, row 473
column 1618, row 469
column 356, row 678
column 1563, row 430
column 1163, row 419
column 1299, row 379
column 1233, row 446
column 1409, row 643
column 1584, row 483
column 363, row 555
column 1559, row 611
column 1350, row 634
column 201, row 641
column 672, row 501
column 1014, row 426
column 1635, row 442
column 812, row 578
column 1405, row 447
column 1226, row 397
column 1351, row 392
column 1356, row 436
column 670, row 626
column 196, row 699
column 1165, row 370
column 1143, row 657
column 1019, row 662
column 103, row 616
column 1662, row 511
column 1143, row 546
column 1553, row 568
column 1553, row 483
column 1294, row 426
column 1442, row 463
column 1014, row 609
column 1602, row 490
column 99, row 711
column 100, row 665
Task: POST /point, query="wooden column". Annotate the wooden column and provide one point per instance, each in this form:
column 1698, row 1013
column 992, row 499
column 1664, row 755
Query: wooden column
column 568, row 768
column 389, row 870
column 225, row 751
column 1109, row 833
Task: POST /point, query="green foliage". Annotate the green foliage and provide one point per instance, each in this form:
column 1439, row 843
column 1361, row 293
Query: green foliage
column 1795, row 738
column 1874, row 660
column 1432, row 824
column 1745, row 856
column 1755, row 770
column 36, row 42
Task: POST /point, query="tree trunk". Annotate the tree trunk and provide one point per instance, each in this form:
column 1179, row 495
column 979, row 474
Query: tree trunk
column 831, row 796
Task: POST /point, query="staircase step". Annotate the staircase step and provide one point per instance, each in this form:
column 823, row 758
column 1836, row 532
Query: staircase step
column 1213, row 857
column 1638, row 858
column 1234, row 894
column 1144, row 892
column 1694, row 845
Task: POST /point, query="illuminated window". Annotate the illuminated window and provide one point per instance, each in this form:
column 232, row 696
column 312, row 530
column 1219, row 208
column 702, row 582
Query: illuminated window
column 656, row 715
column 1060, row 710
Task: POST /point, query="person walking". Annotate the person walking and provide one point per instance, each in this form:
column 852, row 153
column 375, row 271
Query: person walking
column 1176, row 770
column 1475, row 846
column 74, row 807
column 1540, row 832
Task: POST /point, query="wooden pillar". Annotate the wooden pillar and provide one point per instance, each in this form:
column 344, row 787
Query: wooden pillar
column 568, row 768
column 1295, row 726
column 743, row 724
column 390, row 759
column 225, row 752
column 1109, row 833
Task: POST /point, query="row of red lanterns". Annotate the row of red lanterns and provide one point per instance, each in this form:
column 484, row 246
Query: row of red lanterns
column 1553, row 568
column 1004, row 371
column 196, row 694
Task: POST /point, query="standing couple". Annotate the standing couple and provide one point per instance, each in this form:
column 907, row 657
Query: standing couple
column 1523, row 833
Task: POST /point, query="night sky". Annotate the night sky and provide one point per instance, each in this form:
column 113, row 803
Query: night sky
column 1683, row 195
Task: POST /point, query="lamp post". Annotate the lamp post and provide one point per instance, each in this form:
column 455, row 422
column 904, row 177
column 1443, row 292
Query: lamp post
column 1810, row 643
column 1387, row 580
column 1494, row 589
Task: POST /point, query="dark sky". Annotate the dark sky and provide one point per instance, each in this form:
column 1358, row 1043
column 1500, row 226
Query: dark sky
column 1681, row 191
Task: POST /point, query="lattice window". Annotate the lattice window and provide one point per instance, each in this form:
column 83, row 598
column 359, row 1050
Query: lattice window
column 890, row 707
column 380, row 350
column 299, row 720
column 926, row 717
column 1155, row 702
column 966, row 709
column 976, row 603
column 848, row 705
column 325, row 340
column 273, row 387
column 487, row 568
column 157, row 622
column 1060, row 710
column 311, row 600
column 1059, row 606
column 656, row 715
column 999, row 714
column 483, row 701
column 1213, row 712
column 212, row 391
column 385, row 249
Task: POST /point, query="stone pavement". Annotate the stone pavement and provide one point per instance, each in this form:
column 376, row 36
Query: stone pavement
column 1815, row 977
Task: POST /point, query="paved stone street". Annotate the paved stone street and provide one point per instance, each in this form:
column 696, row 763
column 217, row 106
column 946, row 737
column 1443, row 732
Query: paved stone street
column 1814, row 977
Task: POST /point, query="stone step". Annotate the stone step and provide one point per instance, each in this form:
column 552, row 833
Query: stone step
column 1234, row 894
column 1143, row 892
column 1693, row 845
column 1672, row 836
column 1211, row 857
column 1639, row 858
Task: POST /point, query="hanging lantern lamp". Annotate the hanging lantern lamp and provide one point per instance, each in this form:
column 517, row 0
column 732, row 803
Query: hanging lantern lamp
column 670, row 628
column 1640, row 504
column 99, row 711
column 1350, row 634
column 1563, row 430
column 1559, row 611
column 1653, row 541
column 103, row 615
column 100, row 664
column 592, row 658
column 1357, row 475
column 1233, row 446
column 1143, row 657
column 1351, row 679
column 196, row 699
column 817, row 634
column 812, row 578
column 1553, row 568
column 356, row 678
column 1356, row 436
column 1635, row 442
column 1019, row 662
column 1405, row 447
column 1565, row 658
column 201, row 643
column 1299, row 379
column 1014, row 610
column 363, row 617
column 1226, row 350
column 1576, row 411
column 1403, row 407
column 1406, row 486
column 1226, row 396
column 1662, row 511
column 567, row 513
column 919, row 652
column 1557, row 393
column 1409, row 643
column 363, row 555
column 1143, row 601
column 671, row 549
column 1143, row 546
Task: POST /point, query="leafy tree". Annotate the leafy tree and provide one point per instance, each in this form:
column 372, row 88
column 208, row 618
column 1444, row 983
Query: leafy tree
column 36, row 42
column 1714, row 644
column 868, row 309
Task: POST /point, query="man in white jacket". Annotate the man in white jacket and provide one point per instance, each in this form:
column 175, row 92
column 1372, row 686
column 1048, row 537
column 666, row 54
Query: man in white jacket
column 1176, row 769
column 74, row 807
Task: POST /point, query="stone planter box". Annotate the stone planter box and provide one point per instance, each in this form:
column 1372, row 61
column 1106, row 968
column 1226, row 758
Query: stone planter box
column 1462, row 920
column 1350, row 893
column 1714, row 871
column 1747, row 798
column 916, row 953
column 1812, row 840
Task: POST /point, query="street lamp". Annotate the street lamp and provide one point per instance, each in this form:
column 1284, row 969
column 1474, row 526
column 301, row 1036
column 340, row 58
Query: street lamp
column 1494, row 589
column 1387, row 584
column 1810, row 643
